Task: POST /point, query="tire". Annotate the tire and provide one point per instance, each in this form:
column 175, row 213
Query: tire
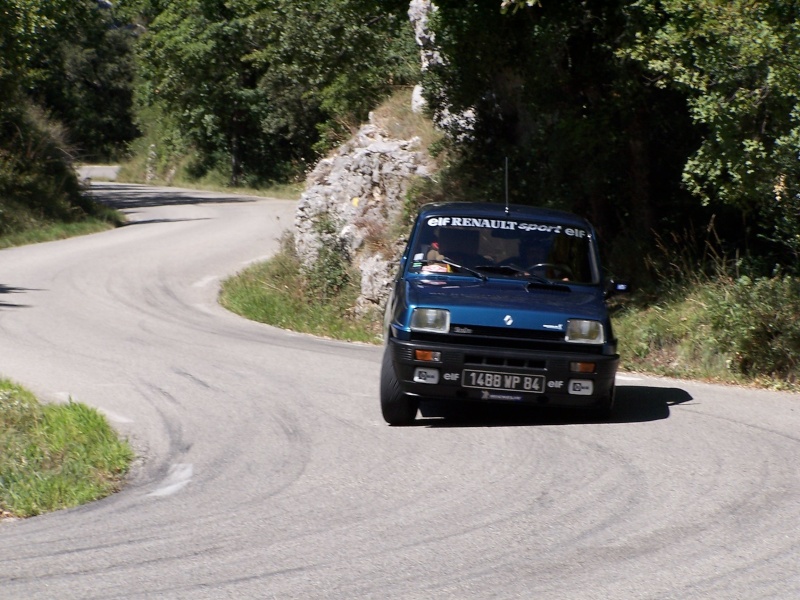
column 397, row 407
column 605, row 408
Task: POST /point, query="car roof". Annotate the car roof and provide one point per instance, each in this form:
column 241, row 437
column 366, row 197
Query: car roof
column 497, row 210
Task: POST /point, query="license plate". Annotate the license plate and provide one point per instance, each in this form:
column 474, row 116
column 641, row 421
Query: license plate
column 513, row 382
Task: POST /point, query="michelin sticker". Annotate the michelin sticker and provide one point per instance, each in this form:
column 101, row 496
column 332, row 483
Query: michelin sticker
column 487, row 395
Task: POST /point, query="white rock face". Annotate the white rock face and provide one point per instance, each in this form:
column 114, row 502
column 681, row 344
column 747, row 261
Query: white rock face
column 360, row 190
column 419, row 12
column 459, row 124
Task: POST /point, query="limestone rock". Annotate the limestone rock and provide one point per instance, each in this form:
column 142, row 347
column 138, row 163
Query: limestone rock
column 357, row 193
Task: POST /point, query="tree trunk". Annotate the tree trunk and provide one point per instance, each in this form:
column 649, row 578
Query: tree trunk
column 639, row 176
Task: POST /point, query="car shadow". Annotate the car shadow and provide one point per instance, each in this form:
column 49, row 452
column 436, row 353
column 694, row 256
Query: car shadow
column 634, row 404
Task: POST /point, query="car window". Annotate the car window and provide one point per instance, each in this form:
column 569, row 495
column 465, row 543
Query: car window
column 505, row 247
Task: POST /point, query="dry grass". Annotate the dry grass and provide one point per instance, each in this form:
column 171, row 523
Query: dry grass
column 400, row 122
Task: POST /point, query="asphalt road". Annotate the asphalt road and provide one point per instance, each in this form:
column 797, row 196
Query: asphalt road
column 266, row 470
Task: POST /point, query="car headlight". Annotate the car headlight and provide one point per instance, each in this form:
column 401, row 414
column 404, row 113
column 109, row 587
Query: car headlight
column 436, row 320
column 582, row 331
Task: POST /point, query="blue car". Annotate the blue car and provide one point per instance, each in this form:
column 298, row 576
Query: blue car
column 498, row 304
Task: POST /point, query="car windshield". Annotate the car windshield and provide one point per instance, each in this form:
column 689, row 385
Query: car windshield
column 504, row 247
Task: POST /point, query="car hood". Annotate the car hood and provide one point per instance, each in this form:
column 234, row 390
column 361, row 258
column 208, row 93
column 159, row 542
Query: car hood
column 507, row 303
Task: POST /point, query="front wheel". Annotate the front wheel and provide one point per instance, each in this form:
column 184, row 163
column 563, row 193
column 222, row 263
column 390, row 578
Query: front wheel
column 605, row 408
column 398, row 408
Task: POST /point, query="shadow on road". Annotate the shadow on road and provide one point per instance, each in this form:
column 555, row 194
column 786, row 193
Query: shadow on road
column 128, row 196
column 634, row 404
column 5, row 289
column 152, row 221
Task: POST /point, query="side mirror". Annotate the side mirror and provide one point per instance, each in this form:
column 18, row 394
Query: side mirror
column 617, row 287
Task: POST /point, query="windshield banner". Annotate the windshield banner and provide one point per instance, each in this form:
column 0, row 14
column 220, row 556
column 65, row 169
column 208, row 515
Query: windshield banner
column 504, row 224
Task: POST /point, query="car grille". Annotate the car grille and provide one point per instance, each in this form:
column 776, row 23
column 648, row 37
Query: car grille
column 504, row 339
column 480, row 360
column 504, row 333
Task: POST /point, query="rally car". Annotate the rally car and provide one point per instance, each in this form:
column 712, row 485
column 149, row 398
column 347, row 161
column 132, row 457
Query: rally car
column 496, row 303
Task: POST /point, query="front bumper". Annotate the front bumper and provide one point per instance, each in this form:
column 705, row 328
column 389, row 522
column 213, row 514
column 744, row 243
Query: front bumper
column 488, row 374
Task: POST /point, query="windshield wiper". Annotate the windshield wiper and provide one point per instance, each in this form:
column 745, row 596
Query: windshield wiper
column 503, row 269
column 447, row 261
column 516, row 272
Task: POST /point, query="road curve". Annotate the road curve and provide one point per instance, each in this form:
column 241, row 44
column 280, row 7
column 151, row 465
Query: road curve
column 266, row 470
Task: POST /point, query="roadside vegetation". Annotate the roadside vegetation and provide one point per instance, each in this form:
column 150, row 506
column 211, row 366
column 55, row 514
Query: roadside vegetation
column 55, row 456
column 280, row 293
column 743, row 331
column 702, row 315
column 49, row 109
column 650, row 119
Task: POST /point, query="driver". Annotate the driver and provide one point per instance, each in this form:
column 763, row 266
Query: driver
column 534, row 252
column 538, row 252
column 457, row 245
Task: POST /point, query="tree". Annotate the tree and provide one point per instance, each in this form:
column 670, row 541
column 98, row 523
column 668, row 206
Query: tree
column 82, row 74
column 323, row 83
column 37, row 180
column 21, row 21
column 264, row 82
column 550, row 92
column 737, row 64
column 191, row 64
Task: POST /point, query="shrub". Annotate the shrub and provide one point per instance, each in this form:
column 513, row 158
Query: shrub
column 330, row 272
column 756, row 322
column 724, row 328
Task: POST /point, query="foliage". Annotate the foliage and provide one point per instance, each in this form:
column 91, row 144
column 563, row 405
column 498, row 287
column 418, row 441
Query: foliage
column 736, row 63
column 192, row 70
column 755, row 323
column 329, row 274
column 37, row 182
column 55, row 456
column 38, row 185
column 278, row 293
column 77, row 64
column 640, row 115
column 258, row 96
column 359, row 50
column 12, row 54
column 579, row 126
column 720, row 328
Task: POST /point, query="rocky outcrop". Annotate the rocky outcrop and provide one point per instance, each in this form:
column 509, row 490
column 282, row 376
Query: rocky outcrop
column 351, row 201
column 353, row 197
column 419, row 12
column 459, row 124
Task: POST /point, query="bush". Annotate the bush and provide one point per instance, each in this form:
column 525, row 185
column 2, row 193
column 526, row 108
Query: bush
column 329, row 275
column 756, row 323
column 278, row 292
column 734, row 329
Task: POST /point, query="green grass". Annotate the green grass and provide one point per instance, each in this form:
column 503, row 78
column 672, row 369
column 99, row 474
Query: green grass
column 55, row 456
column 278, row 293
column 743, row 331
column 57, row 231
